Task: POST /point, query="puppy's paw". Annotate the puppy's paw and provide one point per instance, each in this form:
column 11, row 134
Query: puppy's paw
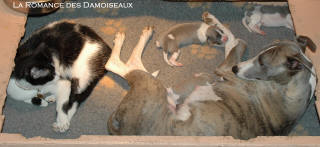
column 44, row 103
column 61, row 126
column 263, row 33
column 120, row 36
column 205, row 16
column 50, row 99
column 178, row 64
column 174, row 62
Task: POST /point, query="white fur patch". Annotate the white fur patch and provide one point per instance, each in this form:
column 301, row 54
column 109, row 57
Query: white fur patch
column 170, row 36
column 60, row 70
column 156, row 73
column 312, row 82
column 63, row 92
column 183, row 113
column 245, row 66
column 201, row 32
column 50, row 98
column 81, row 66
column 174, row 57
column 172, row 97
column 313, row 79
column 201, row 93
column 158, row 44
column 72, row 111
column 165, row 57
column 255, row 22
column 274, row 20
column 244, row 21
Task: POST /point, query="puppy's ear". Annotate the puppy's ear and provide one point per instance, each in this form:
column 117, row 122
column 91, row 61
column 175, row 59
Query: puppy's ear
column 212, row 35
column 304, row 42
column 37, row 72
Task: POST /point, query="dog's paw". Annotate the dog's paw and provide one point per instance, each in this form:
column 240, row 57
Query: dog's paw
column 61, row 127
column 120, row 36
column 147, row 31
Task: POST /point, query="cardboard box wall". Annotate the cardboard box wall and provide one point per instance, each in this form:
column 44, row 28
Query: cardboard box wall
column 306, row 21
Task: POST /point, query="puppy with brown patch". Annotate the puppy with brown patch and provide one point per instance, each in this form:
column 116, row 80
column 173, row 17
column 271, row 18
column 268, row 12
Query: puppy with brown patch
column 185, row 34
column 233, row 107
column 211, row 20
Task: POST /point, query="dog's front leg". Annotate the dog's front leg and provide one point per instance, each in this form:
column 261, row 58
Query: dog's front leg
column 62, row 94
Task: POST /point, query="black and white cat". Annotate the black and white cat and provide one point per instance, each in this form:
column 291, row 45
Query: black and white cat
column 63, row 59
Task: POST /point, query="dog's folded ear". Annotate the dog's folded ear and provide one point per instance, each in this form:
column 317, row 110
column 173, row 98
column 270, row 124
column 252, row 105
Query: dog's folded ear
column 297, row 62
column 304, row 42
column 293, row 63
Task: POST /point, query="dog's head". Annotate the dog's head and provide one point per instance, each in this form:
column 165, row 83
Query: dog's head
column 33, row 65
column 215, row 36
column 279, row 62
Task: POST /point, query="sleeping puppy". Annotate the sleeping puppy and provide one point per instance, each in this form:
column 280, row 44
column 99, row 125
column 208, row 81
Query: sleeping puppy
column 178, row 93
column 63, row 59
column 186, row 34
column 266, row 15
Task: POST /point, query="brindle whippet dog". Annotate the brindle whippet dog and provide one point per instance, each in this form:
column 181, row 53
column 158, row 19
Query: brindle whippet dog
column 235, row 107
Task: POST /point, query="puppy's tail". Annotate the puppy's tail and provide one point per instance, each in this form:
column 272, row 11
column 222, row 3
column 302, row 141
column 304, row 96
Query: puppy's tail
column 244, row 21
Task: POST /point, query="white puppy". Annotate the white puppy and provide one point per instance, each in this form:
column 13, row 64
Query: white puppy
column 267, row 15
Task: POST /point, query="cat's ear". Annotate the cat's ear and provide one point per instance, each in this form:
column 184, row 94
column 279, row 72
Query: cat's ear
column 36, row 72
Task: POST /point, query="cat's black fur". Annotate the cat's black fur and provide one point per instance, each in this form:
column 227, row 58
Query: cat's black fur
column 64, row 41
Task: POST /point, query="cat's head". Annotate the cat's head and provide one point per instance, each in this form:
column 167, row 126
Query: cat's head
column 35, row 66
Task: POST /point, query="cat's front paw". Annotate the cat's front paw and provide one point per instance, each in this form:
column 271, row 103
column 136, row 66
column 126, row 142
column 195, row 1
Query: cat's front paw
column 61, row 126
